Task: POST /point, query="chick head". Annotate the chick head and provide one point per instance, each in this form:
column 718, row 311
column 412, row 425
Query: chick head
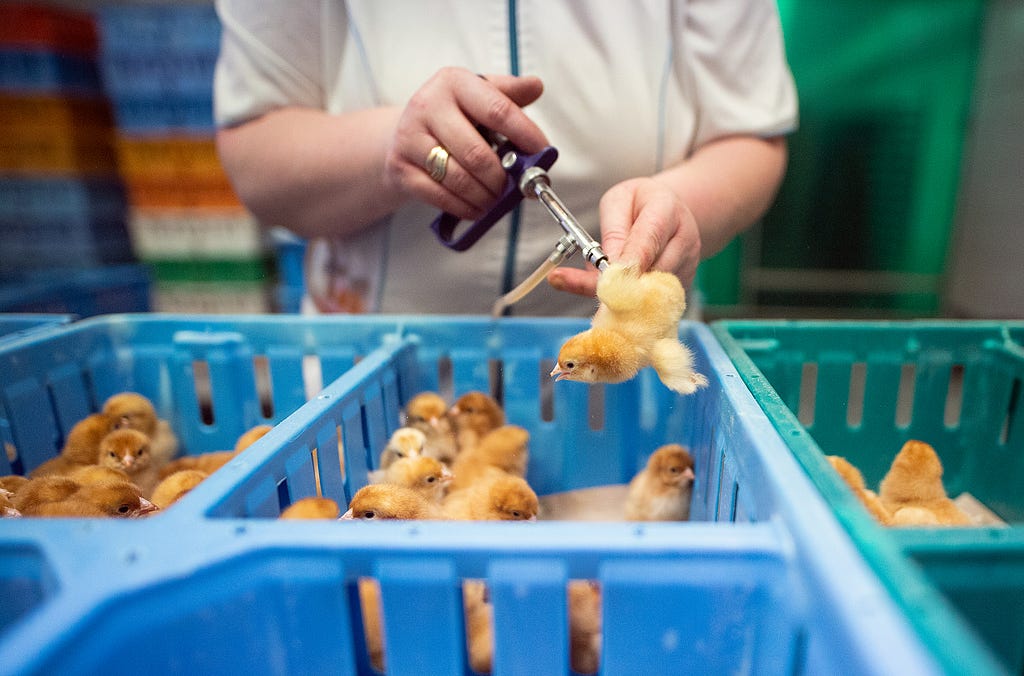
column 420, row 472
column 406, row 442
column 512, row 499
column 386, row 501
column 117, row 498
column 125, row 449
column 915, row 473
column 425, row 408
column 131, row 410
column 672, row 464
column 476, row 410
column 596, row 356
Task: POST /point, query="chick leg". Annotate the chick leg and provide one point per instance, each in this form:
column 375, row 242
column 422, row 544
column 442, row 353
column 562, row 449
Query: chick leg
column 673, row 362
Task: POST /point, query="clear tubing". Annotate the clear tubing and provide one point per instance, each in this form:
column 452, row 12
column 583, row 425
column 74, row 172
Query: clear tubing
column 563, row 250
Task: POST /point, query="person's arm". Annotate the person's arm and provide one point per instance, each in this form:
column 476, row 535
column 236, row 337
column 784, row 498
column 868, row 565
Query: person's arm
column 318, row 173
column 686, row 213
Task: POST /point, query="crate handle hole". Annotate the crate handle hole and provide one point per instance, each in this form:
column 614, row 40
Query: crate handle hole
column 905, row 395
column 496, row 377
column 1011, row 412
column 547, row 390
column 855, row 399
column 445, row 381
column 954, row 396
column 312, row 375
column 204, row 392
column 808, row 393
column 264, row 386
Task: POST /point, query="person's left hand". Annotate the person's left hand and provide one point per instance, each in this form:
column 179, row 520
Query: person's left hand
column 642, row 220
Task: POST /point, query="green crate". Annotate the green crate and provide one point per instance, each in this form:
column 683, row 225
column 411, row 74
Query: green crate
column 860, row 390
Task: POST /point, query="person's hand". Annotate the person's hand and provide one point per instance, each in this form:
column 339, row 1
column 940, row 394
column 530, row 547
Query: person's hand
column 643, row 220
column 444, row 112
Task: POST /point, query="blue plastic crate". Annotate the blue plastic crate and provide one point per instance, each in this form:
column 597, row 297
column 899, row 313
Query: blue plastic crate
column 163, row 115
column 14, row 325
column 126, row 28
column 84, row 292
column 26, row 70
column 763, row 580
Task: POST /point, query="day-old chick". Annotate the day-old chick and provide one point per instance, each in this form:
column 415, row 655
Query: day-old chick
column 584, row 626
column 912, row 490
column 636, row 325
column 661, row 490
column 370, row 605
column 135, row 411
column 507, row 498
column 479, row 615
column 405, row 442
column 211, row 461
column 427, row 476
column 95, row 474
column 473, row 415
column 43, row 489
column 176, row 486
column 12, row 482
column 388, row 501
column 128, row 451
column 312, row 508
column 111, row 499
column 855, row 480
column 80, row 447
column 504, row 450
column 427, row 412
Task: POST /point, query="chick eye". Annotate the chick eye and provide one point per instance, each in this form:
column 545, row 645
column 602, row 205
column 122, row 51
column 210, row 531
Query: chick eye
column 517, row 514
column 123, row 509
column 674, row 470
column 113, row 455
column 369, row 514
column 570, row 364
column 431, row 479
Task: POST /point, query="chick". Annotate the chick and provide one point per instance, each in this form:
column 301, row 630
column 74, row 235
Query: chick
column 312, row 508
column 427, row 476
column 135, row 411
column 473, row 415
column 43, row 489
column 109, row 499
column 94, row 474
column 207, row 463
column 584, row 626
column 479, row 615
column 12, row 482
column 80, row 448
column 128, row 451
column 661, row 490
column 507, row 498
column 370, row 605
column 912, row 490
column 427, row 412
column 636, row 325
column 855, row 480
column 176, row 486
column 251, row 436
column 504, row 450
column 405, row 442
column 388, row 501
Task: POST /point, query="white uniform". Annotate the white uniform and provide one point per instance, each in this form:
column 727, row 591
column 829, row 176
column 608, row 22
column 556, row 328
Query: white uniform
column 630, row 87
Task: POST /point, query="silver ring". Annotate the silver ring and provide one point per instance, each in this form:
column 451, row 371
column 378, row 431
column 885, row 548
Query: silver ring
column 437, row 163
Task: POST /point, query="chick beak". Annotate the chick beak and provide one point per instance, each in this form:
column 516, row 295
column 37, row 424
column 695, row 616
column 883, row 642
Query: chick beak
column 446, row 475
column 557, row 373
column 347, row 516
column 146, row 507
column 688, row 474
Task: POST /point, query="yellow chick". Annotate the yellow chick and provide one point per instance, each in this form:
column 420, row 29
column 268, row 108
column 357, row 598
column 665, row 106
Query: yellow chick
column 388, row 501
column 584, row 626
column 912, row 490
column 176, row 486
column 128, row 450
column 507, row 498
column 311, row 508
column 636, row 325
column 855, row 480
column 473, row 415
column 661, row 491
column 427, row 476
column 504, row 450
column 427, row 412
column 135, row 411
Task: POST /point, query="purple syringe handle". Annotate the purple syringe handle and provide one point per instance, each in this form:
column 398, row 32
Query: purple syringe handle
column 515, row 163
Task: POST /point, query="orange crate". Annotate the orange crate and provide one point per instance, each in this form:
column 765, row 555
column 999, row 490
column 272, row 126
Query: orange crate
column 174, row 158
column 211, row 191
column 20, row 112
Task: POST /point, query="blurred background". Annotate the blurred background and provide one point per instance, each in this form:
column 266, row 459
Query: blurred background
column 902, row 199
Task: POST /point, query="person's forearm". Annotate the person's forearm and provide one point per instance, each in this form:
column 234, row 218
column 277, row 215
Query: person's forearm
column 728, row 184
column 310, row 171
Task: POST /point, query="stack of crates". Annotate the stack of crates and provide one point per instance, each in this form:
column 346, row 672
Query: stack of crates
column 761, row 580
column 62, row 205
column 206, row 251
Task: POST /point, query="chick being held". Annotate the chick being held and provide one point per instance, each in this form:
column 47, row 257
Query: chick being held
column 912, row 490
column 636, row 325
column 661, row 491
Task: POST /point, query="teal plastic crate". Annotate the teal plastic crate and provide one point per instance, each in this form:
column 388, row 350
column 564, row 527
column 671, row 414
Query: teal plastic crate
column 860, row 390
column 761, row 580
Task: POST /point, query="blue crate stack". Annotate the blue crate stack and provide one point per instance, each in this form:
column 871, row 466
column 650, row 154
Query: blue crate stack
column 207, row 252
column 62, row 205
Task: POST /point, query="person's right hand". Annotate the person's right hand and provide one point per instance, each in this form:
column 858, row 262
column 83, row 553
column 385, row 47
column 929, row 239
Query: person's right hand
column 444, row 112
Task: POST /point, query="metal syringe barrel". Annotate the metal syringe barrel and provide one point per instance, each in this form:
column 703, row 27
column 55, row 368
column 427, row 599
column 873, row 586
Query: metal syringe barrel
column 536, row 184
